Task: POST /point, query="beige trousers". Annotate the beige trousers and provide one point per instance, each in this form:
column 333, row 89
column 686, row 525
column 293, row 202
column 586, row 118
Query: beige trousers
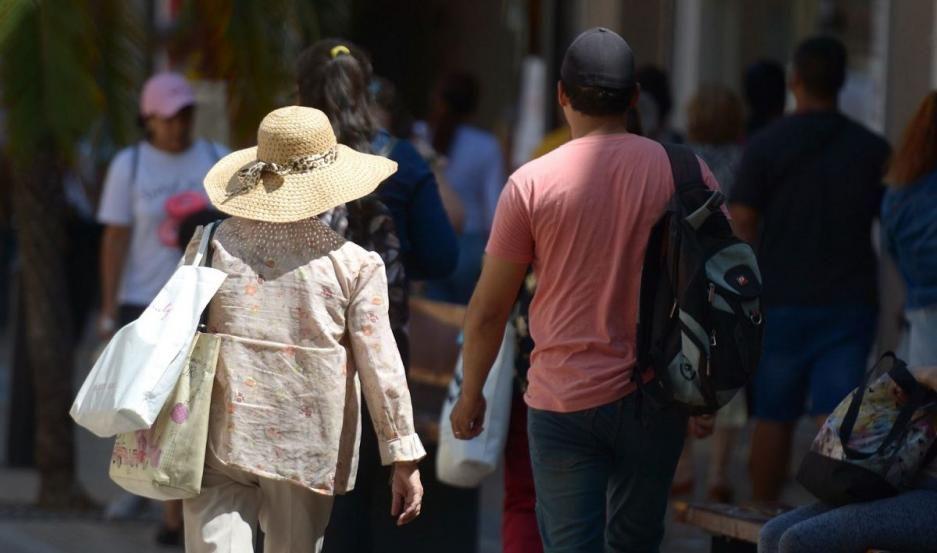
column 224, row 517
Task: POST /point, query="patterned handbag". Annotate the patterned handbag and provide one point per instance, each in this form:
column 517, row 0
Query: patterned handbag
column 166, row 460
column 874, row 443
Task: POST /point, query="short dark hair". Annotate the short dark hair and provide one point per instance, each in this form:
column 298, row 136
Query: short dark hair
column 820, row 62
column 598, row 101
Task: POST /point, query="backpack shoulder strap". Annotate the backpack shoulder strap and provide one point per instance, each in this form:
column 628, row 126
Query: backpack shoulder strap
column 134, row 164
column 692, row 197
column 685, row 167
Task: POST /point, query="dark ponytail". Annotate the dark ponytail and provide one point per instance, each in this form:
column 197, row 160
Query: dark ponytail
column 333, row 76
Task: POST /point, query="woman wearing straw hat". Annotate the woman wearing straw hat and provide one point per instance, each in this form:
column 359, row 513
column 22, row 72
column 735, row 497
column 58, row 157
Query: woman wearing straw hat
column 303, row 317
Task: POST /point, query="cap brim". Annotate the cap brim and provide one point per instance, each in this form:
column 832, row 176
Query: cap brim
column 172, row 107
column 294, row 197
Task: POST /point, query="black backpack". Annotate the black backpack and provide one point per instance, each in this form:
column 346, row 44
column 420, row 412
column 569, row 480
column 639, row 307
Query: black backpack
column 700, row 322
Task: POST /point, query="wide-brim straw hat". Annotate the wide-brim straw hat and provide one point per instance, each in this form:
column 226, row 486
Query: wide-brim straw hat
column 296, row 171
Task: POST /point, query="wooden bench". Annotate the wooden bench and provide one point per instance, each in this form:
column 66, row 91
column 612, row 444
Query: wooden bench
column 734, row 528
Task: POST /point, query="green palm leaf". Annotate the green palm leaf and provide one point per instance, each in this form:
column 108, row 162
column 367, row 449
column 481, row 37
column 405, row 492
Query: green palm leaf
column 46, row 53
column 120, row 39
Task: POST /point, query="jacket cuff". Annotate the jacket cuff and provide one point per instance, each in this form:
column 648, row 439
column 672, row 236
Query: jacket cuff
column 401, row 449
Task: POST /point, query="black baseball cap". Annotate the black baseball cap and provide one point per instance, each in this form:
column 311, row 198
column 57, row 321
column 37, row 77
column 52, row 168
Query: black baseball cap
column 599, row 57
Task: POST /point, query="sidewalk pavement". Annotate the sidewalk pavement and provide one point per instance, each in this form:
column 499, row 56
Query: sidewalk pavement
column 24, row 529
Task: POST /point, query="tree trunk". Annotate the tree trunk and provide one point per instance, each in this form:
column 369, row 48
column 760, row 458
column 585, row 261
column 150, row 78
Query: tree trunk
column 40, row 212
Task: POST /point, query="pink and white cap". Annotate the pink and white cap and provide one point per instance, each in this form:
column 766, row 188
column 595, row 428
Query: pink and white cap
column 165, row 94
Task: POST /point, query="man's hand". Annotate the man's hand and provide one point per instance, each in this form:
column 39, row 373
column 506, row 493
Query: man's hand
column 702, row 426
column 485, row 318
column 745, row 222
column 468, row 416
column 407, row 493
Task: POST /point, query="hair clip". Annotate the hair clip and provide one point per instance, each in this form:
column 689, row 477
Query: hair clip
column 339, row 50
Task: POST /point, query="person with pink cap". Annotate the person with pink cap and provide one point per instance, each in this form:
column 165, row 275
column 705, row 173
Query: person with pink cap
column 150, row 188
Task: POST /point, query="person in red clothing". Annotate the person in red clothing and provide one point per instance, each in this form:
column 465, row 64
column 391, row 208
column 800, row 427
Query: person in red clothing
column 519, row 522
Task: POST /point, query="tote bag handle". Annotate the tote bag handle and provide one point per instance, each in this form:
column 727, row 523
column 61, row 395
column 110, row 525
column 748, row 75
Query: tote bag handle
column 202, row 257
column 917, row 394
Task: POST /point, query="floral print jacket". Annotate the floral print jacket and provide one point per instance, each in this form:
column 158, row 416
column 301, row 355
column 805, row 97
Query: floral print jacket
column 303, row 317
column 368, row 223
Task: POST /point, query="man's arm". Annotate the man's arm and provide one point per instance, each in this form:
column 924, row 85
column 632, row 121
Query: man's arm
column 750, row 196
column 487, row 315
column 745, row 222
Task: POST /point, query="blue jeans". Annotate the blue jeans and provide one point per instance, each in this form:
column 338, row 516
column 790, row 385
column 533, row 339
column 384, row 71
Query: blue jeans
column 905, row 522
column 811, row 358
column 603, row 476
column 922, row 336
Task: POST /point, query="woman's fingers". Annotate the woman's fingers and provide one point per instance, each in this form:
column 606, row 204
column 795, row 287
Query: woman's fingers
column 414, row 505
column 396, row 502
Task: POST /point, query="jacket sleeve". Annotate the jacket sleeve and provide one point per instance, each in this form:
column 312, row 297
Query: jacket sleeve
column 379, row 366
column 434, row 248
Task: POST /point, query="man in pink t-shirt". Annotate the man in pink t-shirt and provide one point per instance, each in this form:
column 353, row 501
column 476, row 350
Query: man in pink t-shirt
column 582, row 215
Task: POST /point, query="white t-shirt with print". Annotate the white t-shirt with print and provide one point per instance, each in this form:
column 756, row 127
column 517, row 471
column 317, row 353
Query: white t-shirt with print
column 137, row 198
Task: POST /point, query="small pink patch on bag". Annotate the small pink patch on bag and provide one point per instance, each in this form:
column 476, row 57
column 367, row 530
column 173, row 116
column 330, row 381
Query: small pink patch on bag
column 155, row 456
column 179, row 414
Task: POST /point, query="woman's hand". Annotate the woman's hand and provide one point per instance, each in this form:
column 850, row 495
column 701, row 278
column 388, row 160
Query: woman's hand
column 468, row 416
column 407, row 492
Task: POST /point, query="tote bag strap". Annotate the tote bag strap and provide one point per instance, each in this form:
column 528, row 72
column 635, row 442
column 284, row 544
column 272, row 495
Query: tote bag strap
column 917, row 395
column 207, row 235
column 849, row 421
column 201, row 255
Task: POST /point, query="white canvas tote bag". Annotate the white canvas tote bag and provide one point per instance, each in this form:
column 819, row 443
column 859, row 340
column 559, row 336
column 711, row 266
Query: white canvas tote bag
column 139, row 368
column 465, row 463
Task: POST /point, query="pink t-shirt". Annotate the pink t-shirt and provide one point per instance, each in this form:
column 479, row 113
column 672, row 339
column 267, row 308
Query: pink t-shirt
column 582, row 215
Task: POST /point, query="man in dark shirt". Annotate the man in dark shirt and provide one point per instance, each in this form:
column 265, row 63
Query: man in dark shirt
column 808, row 190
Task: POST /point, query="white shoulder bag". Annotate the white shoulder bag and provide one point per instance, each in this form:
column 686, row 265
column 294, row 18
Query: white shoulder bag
column 138, row 369
column 465, row 463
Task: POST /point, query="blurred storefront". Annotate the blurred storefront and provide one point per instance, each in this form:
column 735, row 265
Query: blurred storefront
column 891, row 44
column 413, row 42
